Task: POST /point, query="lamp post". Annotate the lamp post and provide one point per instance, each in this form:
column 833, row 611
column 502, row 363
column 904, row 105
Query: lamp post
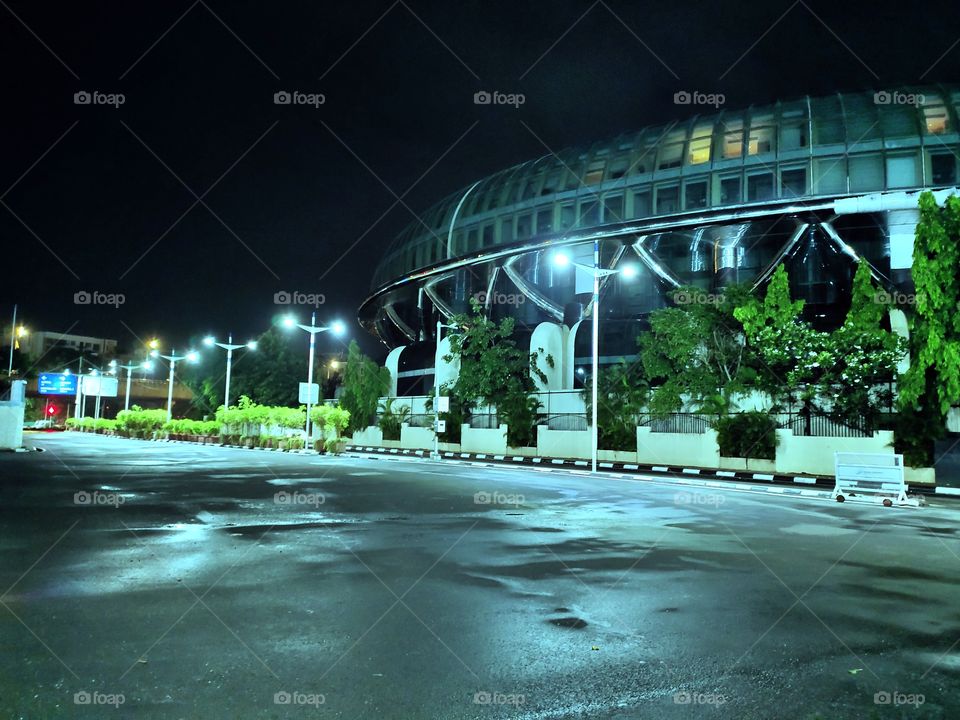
column 562, row 260
column 191, row 356
column 229, row 346
column 338, row 328
column 145, row 365
column 436, row 392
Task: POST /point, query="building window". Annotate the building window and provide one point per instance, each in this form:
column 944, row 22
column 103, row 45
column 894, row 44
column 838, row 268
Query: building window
column 695, row 194
column 486, row 235
column 760, row 187
column 568, row 217
column 642, row 205
column 730, row 190
column 943, row 169
column 866, row 173
column 506, row 229
column 545, row 221
column 793, row 135
column 589, row 212
column 551, row 184
column 668, row 199
column 670, row 156
column 761, row 140
column 831, row 177
column 524, row 226
column 699, row 151
column 613, row 208
column 901, row 171
column 473, row 239
column 618, row 168
column 935, row 119
column 793, row 182
column 594, row 172
column 733, row 140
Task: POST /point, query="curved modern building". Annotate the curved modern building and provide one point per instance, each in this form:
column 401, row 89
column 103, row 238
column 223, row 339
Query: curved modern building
column 710, row 200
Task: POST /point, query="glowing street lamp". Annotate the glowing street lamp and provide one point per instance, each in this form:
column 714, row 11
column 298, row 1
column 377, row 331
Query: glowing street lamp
column 191, row 356
column 562, row 260
column 337, row 328
column 229, row 346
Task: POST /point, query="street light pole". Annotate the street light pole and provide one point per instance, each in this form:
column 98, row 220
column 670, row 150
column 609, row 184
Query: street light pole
column 597, row 272
column 436, row 392
column 13, row 340
column 338, row 329
column 146, row 365
column 173, row 357
column 229, row 346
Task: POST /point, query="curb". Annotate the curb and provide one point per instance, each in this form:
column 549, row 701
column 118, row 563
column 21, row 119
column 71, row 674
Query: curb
column 780, row 483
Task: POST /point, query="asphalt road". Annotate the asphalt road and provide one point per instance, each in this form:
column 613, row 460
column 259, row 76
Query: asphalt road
column 192, row 581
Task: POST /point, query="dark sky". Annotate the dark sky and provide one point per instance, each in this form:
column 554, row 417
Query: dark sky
column 97, row 198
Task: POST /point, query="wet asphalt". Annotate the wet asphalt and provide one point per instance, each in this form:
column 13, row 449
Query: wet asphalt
column 163, row 580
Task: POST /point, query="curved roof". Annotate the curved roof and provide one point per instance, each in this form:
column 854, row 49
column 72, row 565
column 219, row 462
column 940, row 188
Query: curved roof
column 815, row 146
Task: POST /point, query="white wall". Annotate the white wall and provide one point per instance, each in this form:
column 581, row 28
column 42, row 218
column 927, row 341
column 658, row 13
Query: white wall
column 416, row 438
column 372, row 436
column 552, row 338
column 493, row 441
column 814, row 455
column 564, row 443
column 683, row 449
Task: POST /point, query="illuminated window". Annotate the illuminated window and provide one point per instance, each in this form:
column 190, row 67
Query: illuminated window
column 935, row 119
column 594, row 173
column 699, row 151
column 732, row 140
column 761, row 135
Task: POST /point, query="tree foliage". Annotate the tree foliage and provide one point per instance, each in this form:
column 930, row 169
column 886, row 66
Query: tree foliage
column 493, row 370
column 364, row 383
column 622, row 395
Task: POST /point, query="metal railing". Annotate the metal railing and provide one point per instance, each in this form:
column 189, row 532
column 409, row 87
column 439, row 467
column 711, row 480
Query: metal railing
column 690, row 423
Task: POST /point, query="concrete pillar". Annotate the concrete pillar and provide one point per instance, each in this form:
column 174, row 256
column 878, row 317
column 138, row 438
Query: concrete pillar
column 392, row 363
column 550, row 339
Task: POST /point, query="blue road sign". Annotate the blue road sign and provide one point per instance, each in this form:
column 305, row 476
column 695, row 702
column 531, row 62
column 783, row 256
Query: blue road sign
column 57, row 384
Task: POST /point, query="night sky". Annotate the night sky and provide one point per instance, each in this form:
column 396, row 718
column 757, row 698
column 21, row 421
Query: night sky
column 103, row 198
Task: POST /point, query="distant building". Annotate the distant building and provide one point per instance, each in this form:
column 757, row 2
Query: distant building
column 39, row 342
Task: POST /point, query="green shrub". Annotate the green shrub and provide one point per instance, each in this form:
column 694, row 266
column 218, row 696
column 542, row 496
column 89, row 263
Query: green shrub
column 391, row 420
column 747, row 435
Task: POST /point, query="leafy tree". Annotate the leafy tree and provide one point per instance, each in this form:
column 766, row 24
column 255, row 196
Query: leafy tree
column 932, row 384
column 493, row 370
column 857, row 381
column 696, row 354
column 364, row 383
column 622, row 394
